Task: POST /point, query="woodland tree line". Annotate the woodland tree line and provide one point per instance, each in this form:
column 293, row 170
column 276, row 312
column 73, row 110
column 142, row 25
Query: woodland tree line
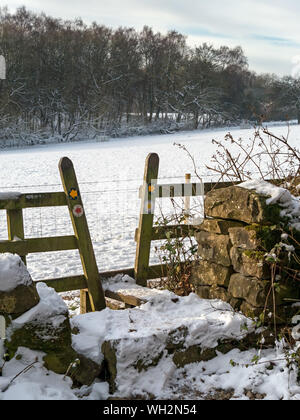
column 66, row 79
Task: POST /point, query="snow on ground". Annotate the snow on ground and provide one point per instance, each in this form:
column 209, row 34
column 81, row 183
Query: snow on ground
column 230, row 376
column 109, row 175
column 250, row 374
column 235, row 376
column 37, row 383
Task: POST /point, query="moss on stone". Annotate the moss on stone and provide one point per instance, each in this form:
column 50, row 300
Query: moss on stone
column 60, row 360
column 192, row 355
column 267, row 235
column 251, row 340
column 197, row 354
column 19, row 300
column 142, row 364
column 110, row 358
column 255, row 255
column 271, row 211
column 176, row 338
column 40, row 336
column 55, row 342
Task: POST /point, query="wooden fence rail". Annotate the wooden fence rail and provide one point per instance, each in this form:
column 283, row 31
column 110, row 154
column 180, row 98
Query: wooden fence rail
column 24, row 201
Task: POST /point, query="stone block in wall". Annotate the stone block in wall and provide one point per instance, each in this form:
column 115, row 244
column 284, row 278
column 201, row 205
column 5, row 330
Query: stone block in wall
column 18, row 293
column 216, row 292
column 203, row 291
column 213, row 292
column 256, row 292
column 251, row 311
column 250, row 289
column 219, row 293
column 219, row 226
column 254, row 237
column 19, row 300
column 46, row 328
column 214, row 247
column 249, row 263
column 235, row 303
column 210, row 273
column 283, row 314
column 237, row 203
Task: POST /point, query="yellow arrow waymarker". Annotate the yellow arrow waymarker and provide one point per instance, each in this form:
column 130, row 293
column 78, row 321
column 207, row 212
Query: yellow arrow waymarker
column 73, row 194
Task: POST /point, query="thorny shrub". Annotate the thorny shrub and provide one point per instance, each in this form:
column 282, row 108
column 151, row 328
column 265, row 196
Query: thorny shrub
column 271, row 158
column 265, row 156
column 178, row 252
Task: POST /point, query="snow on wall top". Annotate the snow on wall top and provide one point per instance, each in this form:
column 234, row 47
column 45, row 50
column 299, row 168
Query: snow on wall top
column 126, row 285
column 13, row 272
column 277, row 195
column 51, row 308
column 206, row 323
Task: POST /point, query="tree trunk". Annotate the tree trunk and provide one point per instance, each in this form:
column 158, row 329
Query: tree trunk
column 298, row 114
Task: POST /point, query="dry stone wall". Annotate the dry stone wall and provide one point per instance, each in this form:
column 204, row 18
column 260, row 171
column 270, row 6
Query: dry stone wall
column 232, row 242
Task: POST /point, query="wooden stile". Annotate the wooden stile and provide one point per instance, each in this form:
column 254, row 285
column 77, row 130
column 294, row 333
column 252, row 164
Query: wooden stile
column 144, row 234
column 81, row 230
column 89, row 284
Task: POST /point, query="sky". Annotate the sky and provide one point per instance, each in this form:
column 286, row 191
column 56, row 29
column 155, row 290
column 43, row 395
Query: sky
column 267, row 30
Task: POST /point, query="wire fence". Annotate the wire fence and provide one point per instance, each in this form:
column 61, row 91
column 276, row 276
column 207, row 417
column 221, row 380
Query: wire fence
column 112, row 207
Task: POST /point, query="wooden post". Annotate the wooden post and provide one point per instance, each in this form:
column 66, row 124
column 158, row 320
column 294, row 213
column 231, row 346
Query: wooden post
column 15, row 227
column 85, row 304
column 82, row 234
column 187, row 201
column 144, row 233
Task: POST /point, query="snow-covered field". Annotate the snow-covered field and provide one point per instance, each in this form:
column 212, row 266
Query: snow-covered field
column 109, row 175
